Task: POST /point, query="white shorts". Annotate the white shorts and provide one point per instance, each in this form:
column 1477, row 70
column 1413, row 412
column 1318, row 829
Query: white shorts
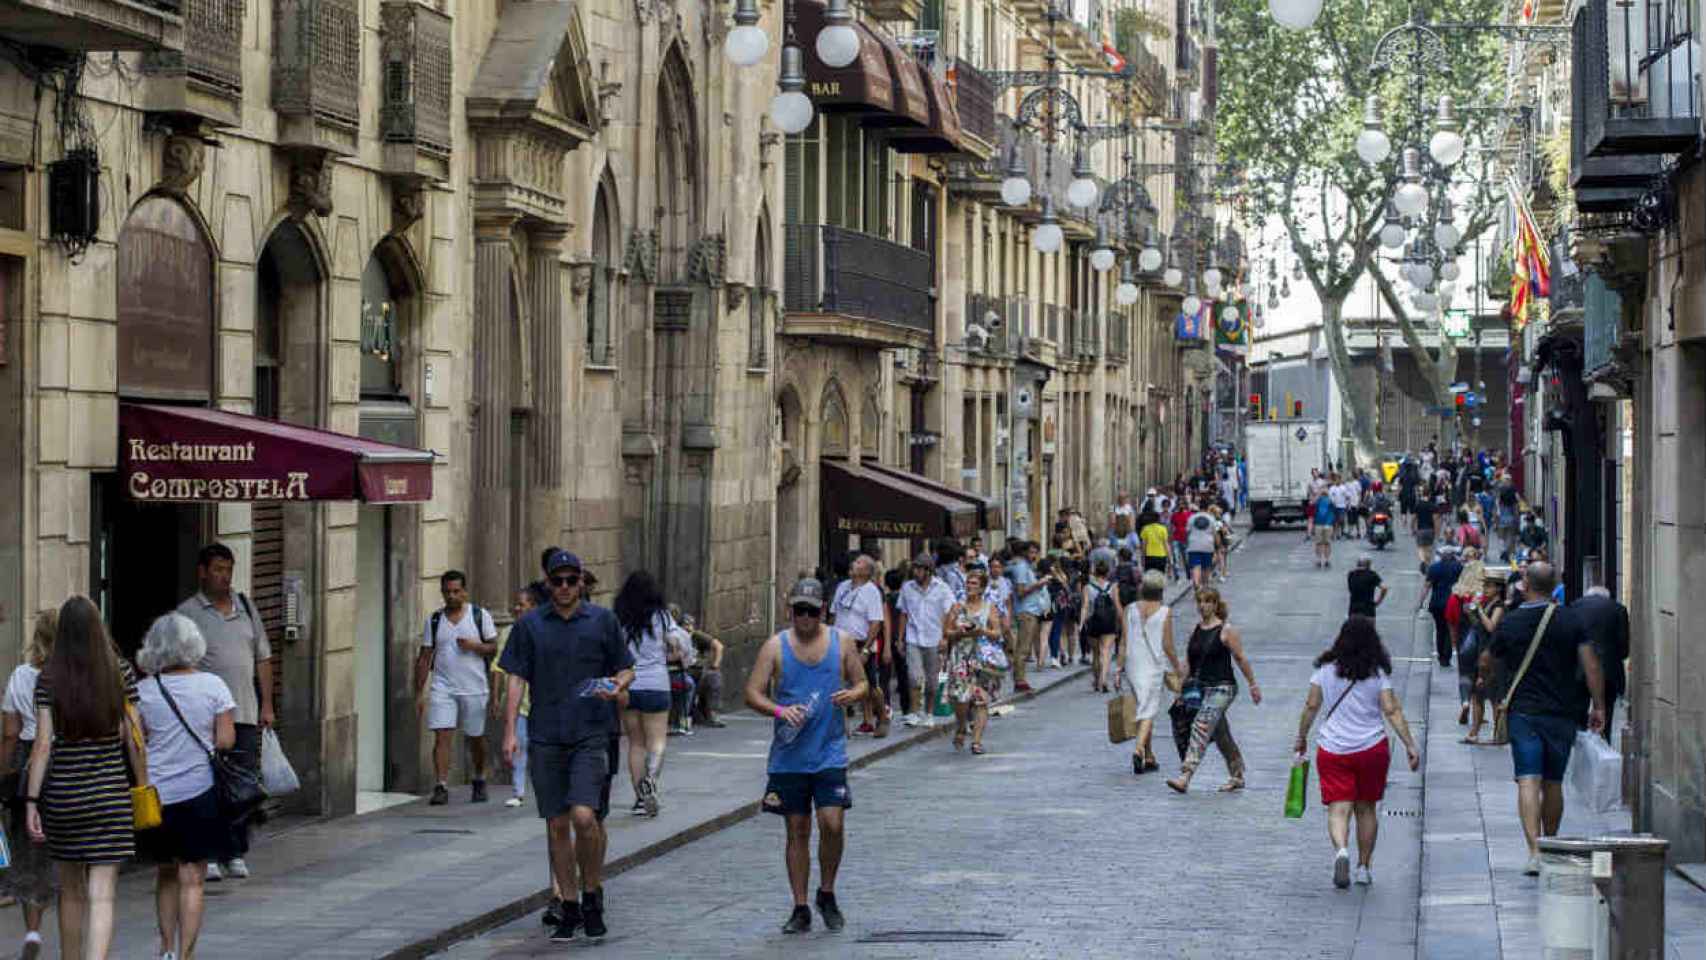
column 922, row 665
column 457, row 711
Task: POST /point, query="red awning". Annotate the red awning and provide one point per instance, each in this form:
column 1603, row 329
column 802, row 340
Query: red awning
column 195, row 454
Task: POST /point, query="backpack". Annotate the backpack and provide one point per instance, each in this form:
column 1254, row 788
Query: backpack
column 1126, row 576
column 1103, row 619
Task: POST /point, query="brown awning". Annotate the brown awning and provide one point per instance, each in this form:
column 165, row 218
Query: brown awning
column 942, row 135
column 873, row 503
column 990, row 515
column 193, row 454
column 866, row 84
column 911, row 104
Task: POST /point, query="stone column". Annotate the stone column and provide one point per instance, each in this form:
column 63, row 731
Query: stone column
column 551, row 371
column 488, row 547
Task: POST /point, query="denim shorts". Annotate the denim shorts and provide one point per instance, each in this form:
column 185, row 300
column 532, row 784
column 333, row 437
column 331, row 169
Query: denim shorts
column 1540, row 746
column 1202, row 559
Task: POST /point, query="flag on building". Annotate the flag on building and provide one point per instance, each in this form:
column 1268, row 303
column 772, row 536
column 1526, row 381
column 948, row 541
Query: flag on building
column 1192, row 326
column 1232, row 325
column 1116, row 62
column 1531, row 269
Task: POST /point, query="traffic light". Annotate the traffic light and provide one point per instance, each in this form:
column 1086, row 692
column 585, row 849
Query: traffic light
column 1256, row 406
column 1461, row 401
column 1297, row 408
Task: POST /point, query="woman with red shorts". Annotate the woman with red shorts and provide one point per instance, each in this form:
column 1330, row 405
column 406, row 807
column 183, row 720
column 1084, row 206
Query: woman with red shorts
column 1354, row 679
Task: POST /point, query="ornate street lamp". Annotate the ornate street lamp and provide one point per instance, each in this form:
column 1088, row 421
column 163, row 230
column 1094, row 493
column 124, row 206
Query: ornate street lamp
column 790, row 109
column 1446, row 233
column 1411, row 198
column 1373, row 145
column 1048, row 237
column 1101, row 255
column 837, row 42
column 1149, row 260
column 1447, row 145
column 1193, row 303
column 1392, row 234
column 1015, row 189
column 1126, row 293
column 1295, row 14
column 1082, row 192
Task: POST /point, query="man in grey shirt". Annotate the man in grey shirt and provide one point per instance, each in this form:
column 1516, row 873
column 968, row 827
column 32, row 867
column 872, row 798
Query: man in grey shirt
column 1104, row 553
column 239, row 654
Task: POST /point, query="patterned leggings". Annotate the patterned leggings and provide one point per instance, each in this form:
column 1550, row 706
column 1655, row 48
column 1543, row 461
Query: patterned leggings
column 1212, row 724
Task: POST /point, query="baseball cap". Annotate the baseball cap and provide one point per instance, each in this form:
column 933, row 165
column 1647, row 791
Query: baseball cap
column 807, row 590
column 561, row 559
column 924, row 560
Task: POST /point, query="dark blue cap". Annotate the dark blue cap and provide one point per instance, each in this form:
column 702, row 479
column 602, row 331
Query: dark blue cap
column 561, row 559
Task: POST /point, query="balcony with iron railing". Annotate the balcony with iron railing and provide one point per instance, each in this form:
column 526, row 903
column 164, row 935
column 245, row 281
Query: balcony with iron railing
column 1634, row 96
column 316, row 72
column 847, row 286
column 1119, row 339
column 94, row 25
column 974, row 97
column 414, row 112
column 1602, row 324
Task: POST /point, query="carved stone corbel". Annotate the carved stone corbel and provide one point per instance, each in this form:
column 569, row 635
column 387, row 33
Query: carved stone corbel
column 310, row 183
column 735, row 293
column 580, row 277
column 707, row 260
column 641, row 257
column 181, row 161
column 408, row 203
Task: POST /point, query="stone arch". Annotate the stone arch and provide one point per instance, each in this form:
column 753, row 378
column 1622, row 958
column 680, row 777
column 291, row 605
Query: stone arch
column 678, row 178
column 796, row 479
column 871, row 426
column 833, row 421
column 604, row 247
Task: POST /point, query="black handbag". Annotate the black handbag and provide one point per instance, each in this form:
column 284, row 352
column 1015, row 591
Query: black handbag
column 238, row 789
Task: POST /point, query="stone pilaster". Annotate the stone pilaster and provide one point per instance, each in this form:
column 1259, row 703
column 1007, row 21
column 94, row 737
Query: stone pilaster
column 548, row 314
column 494, row 321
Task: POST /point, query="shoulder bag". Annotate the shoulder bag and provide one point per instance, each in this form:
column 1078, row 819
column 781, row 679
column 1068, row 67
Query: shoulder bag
column 144, row 799
column 1501, row 729
column 1297, row 791
column 237, row 788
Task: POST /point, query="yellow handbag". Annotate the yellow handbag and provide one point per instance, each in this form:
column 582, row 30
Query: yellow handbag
column 144, row 799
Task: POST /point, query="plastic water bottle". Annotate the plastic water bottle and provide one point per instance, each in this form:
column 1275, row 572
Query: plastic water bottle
column 597, row 685
column 786, row 732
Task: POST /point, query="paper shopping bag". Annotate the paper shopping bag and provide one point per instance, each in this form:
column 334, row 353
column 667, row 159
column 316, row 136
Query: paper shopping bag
column 1122, row 718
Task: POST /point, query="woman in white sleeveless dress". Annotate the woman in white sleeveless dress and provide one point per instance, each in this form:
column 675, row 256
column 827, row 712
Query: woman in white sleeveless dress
column 1149, row 654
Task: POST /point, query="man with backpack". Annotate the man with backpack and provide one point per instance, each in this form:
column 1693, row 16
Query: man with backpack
column 459, row 639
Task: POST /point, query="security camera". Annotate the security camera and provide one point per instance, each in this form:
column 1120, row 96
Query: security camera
column 976, row 332
column 992, row 320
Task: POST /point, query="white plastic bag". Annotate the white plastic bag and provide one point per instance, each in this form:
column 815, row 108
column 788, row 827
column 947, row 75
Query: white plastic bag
column 276, row 772
column 1595, row 776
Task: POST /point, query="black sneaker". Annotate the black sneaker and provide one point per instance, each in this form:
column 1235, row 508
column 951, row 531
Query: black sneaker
column 479, row 795
column 1137, row 765
column 592, row 913
column 553, row 914
column 832, row 918
column 440, row 796
column 800, row 921
column 647, row 789
column 570, row 918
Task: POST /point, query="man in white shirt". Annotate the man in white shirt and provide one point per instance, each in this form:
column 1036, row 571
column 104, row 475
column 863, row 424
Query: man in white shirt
column 454, row 647
column 922, row 608
column 1339, row 494
column 857, row 611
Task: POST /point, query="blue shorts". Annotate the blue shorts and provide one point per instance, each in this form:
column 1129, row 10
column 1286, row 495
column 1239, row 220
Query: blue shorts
column 1195, row 559
column 1540, row 746
column 648, row 701
column 794, row 794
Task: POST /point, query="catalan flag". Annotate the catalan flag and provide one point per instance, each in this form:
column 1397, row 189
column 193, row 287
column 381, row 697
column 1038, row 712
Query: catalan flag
column 1531, row 269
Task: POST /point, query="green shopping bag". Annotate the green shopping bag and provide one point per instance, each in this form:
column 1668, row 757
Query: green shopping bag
column 1297, row 791
column 943, row 707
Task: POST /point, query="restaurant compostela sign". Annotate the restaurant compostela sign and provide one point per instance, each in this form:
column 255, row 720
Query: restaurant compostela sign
column 196, row 455
column 870, row 526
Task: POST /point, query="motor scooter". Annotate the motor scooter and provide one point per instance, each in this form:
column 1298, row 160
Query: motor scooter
column 1380, row 529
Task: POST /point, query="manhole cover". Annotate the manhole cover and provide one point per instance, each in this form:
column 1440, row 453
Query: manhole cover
column 450, row 830
column 934, row 936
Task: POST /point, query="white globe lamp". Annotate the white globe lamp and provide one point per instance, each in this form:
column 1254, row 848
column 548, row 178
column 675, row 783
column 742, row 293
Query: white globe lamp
column 1373, row 146
column 1015, row 191
column 1446, row 147
column 1211, row 278
column 1082, row 192
column 747, row 43
column 1149, row 260
column 1126, row 293
column 1192, row 304
column 1450, row 270
column 1410, row 199
column 791, row 110
column 1049, row 236
column 1295, row 14
column 1101, row 259
column 1392, row 235
column 837, row 43
column 1424, row 274
column 1173, row 277
column 1447, row 235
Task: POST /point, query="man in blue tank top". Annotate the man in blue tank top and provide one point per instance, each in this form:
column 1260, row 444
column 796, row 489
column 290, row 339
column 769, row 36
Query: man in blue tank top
column 815, row 674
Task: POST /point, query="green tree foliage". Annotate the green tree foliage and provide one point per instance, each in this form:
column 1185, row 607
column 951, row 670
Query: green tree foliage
column 1290, row 109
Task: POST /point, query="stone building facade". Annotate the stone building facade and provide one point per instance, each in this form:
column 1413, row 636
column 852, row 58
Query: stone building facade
column 551, row 257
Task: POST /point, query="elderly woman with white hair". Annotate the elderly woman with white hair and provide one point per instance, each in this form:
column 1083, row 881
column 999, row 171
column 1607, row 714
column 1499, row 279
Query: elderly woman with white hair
column 187, row 714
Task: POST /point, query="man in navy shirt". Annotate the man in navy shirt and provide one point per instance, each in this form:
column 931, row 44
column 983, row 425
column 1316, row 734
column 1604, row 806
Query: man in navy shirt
column 571, row 657
column 1442, row 576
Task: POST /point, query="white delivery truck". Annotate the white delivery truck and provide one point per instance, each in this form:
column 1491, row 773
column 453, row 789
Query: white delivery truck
column 1280, row 454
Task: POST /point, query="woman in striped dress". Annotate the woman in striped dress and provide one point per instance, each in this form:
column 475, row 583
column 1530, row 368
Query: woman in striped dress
column 29, row 877
column 78, row 799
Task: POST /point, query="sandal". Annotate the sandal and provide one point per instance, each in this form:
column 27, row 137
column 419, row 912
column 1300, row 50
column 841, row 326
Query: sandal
column 959, row 740
column 1236, row 783
column 977, row 749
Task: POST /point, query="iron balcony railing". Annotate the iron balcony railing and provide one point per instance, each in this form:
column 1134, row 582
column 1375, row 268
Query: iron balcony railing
column 1119, row 337
column 974, row 95
column 416, row 56
column 846, row 272
column 1633, row 86
column 316, row 70
column 212, row 57
column 1602, row 321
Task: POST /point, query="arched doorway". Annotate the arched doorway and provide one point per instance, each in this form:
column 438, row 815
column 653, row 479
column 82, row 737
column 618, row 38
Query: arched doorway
column 142, row 555
column 287, row 369
column 794, row 481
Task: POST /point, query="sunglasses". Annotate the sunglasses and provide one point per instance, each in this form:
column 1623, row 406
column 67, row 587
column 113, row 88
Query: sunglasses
column 567, row 581
column 806, row 610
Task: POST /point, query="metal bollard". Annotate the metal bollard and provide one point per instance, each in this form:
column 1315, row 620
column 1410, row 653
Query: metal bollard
column 1603, row 898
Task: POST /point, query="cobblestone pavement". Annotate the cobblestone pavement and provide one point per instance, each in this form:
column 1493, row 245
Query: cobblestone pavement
column 1052, row 847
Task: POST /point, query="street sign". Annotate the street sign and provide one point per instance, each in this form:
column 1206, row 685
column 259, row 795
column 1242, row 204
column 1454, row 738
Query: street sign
column 1441, row 411
column 1302, row 434
column 1459, row 388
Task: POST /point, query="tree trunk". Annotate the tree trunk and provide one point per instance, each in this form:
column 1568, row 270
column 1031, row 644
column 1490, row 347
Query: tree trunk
column 1439, row 371
column 1360, row 404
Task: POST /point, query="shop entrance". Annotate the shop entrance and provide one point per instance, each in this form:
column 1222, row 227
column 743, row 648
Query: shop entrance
column 373, row 630
column 141, row 558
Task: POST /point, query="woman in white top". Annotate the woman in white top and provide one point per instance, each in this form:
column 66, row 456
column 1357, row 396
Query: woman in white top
column 1351, row 758
column 645, row 622
column 29, row 878
column 186, row 714
column 1147, row 656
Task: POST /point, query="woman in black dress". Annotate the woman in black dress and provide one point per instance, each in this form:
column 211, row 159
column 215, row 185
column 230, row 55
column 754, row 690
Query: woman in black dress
column 78, row 798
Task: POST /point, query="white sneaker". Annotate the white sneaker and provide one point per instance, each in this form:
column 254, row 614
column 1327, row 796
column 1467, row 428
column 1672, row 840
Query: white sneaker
column 1533, row 867
column 514, row 801
column 168, row 955
column 236, row 869
column 909, row 719
column 1364, row 876
column 1342, row 869
column 214, row 875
